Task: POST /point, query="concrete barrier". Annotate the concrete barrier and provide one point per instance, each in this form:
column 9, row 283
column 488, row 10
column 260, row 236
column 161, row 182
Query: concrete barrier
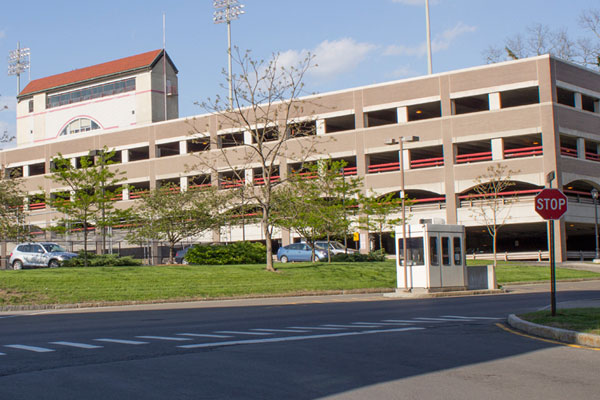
column 481, row 277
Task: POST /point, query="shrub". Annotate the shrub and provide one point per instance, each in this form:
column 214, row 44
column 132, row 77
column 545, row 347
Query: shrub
column 377, row 255
column 101, row 260
column 221, row 254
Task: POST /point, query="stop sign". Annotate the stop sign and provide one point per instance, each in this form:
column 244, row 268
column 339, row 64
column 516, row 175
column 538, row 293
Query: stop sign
column 551, row 204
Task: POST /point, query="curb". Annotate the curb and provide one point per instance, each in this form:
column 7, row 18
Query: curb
column 460, row 293
column 561, row 335
column 522, row 283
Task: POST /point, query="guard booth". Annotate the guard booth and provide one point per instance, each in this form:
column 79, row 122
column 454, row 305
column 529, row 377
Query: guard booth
column 435, row 258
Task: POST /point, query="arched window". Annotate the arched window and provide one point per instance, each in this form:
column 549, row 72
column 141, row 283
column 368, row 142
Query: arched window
column 79, row 125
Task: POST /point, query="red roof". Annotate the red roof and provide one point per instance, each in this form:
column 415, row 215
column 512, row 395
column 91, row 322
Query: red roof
column 95, row 71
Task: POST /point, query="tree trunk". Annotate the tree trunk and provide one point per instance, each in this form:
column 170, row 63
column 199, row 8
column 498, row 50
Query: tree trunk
column 494, row 246
column 85, row 235
column 268, row 242
column 328, row 252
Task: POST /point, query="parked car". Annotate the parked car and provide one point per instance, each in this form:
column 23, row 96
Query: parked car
column 180, row 256
column 335, row 247
column 299, row 252
column 38, row 255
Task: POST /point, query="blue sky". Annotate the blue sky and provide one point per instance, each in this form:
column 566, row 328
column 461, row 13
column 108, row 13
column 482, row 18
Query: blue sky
column 356, row 42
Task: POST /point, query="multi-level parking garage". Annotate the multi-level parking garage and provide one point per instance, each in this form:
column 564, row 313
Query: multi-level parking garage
column 534, row 116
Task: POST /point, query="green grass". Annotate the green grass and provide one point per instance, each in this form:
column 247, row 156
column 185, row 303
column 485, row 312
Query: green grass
column 508, row 272
column 179, row 282
column 75, row 285
column 575, row 319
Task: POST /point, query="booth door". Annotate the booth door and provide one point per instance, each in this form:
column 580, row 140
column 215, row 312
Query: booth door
column 446, row 257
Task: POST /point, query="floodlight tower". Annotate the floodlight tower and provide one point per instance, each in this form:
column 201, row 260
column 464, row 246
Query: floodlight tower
column 18, row 61
column 227, row 11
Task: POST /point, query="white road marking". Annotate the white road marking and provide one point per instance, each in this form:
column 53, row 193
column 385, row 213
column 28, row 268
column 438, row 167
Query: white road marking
column 383, row 323
column 175, row 339
column 315, row 328
column 245, row 333
column 427, row 319
column 78, row 345
column 29, row 348
column 295, row 338
column 412, row 321
column 121, row 341
column 280, row 330
column 351, row 326
column 2, row 354
column 203, row 335
column 459, row 317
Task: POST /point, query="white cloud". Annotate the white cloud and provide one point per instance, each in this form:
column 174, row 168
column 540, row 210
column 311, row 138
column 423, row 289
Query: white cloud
column 2, row 34
column 404, row 71
column 439, row 43
column 332, row 57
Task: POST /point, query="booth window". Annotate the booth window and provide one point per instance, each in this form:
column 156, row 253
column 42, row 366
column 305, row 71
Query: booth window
column 414, row 250
column 457, row 251
column 433, row 251
column 445, row 250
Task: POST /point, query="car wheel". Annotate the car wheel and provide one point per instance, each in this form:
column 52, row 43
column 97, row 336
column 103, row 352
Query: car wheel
column 54, row 264
column 317, row 259
column 283, row 259
column 17, row 264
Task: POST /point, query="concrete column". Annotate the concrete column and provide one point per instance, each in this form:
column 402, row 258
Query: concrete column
column 405, row 159
column 320, row 127
column 183, row 147
column 498, row 149
column 365, row 246
column 248, row 176
column 74, row 162
column 124, row 156
column 183, row 183
column 247, row 137
column 494, row 101
column 285, row 237
column 402, row 113
column 25, row 171
column 597, row 106
column 578, row 101
column 125, row 192
column 581, row 148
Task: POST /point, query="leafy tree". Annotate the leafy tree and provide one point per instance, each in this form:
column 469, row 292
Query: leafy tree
column 265, row 105
column 316, row 202
column 170, row 215
column 491, row 206
column 377, row 213
column 87, row 194
column 541, row 39
column 12, row 217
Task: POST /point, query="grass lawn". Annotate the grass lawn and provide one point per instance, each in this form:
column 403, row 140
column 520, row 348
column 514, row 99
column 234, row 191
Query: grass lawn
column 179, row 282
column 575, row 319
column 508, row 272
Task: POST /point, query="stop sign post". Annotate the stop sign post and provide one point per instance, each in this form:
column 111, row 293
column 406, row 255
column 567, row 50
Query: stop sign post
column 551, row 204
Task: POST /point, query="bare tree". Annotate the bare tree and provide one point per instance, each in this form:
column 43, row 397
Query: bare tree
column 265, row 128
column 491, row 203
column 5, row 137
column 541, row 39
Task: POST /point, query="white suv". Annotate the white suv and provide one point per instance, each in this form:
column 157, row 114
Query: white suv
column 38, row 255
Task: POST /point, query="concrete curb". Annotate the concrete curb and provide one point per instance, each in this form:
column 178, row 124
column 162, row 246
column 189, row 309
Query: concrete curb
column 459, row 293
column 561, row 335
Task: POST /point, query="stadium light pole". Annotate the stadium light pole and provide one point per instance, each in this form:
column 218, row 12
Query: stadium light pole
column 18, row 62
column 227, row 11
column 401, row 142
column 429, row 61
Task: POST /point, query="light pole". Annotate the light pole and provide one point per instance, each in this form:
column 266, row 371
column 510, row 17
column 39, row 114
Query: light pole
column 226, row 11
column 595, row 197
column 401, row 141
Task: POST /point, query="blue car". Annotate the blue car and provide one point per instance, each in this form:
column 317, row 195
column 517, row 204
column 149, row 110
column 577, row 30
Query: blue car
column 299, row 252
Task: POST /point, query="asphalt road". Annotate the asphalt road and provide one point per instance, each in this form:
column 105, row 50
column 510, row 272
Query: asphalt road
column 350, row 347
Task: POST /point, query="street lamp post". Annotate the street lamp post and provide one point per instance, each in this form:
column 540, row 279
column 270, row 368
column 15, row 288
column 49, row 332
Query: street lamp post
column 401, row 141
column 227, row 11
column 595, row 197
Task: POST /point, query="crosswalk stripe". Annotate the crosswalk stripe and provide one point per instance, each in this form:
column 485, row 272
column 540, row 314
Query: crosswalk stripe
column 203, row 335
column 294, row 338
column 459, row 317
column 316, row 328
column 427, row 319
column 244, row 333
column 350, row 326
column 78, row 345
column 29, row 348
column 408, row 321
column 121, row 341
column 280, row 330
column 175, row 339
column 383, row 323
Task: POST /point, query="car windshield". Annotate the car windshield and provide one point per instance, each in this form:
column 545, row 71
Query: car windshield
column 53, row 248
column 321, row 245
column 337, row 245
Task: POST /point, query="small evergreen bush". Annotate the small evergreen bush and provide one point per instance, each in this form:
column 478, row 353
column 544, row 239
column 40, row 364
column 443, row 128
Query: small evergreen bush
column 221, row 254
column 377, row 255
column 101, row 260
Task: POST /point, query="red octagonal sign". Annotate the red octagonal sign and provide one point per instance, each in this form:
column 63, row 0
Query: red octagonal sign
column 551, row 204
